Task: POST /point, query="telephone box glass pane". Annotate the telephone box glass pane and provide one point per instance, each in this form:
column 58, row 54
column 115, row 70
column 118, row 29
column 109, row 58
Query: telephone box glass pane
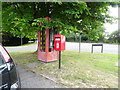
column 52, row 32
column 42, row 39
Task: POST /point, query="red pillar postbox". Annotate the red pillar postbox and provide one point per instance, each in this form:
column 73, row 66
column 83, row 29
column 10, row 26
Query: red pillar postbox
column 59, row 45
column 59, row 42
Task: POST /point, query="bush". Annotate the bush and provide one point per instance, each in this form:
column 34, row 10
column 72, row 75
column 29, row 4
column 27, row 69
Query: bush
column 114, row 37
column 10, row 40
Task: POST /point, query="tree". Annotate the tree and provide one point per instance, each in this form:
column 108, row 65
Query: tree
column 114, row 37
column 84, row 17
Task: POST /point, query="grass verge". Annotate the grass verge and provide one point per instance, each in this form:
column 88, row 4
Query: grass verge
column 79, row 70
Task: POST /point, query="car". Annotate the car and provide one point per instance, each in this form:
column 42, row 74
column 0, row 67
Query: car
column 9, row 77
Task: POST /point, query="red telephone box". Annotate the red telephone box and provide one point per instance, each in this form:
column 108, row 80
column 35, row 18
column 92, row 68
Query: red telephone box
column 46, row 52
column 49, row 43
column 59, row 42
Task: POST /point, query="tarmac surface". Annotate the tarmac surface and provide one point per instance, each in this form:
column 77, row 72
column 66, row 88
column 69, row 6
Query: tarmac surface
column 107, row 48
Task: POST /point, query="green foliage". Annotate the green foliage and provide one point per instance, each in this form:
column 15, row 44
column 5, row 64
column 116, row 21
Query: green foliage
column 10, row 40
column 43, row 23
column 17, row 23
column 23, row 18
column 94, row 35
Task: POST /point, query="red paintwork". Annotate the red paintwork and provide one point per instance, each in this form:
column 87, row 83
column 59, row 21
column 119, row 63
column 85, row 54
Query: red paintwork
column 59, row 42
column 47, row 18
column 46, row 56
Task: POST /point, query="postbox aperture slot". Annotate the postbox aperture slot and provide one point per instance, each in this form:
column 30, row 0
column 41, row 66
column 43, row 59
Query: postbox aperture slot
column 57, row 39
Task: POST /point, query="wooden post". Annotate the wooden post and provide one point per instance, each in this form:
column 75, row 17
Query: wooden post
column 21, row 40
column 102, row 49
column 92, row 48
column 79, row 42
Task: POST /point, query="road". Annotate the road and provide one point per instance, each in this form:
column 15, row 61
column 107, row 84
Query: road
column 107, row 48
column 22, row 48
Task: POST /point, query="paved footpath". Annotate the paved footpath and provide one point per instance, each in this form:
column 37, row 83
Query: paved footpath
column 30, row 80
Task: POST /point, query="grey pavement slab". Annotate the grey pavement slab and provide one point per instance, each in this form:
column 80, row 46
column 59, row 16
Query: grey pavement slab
column 33, row 64
column 32, row 80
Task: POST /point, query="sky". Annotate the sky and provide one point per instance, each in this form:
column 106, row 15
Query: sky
column 112, row 27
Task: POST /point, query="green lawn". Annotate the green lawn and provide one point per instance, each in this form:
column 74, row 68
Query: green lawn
column 79, row 70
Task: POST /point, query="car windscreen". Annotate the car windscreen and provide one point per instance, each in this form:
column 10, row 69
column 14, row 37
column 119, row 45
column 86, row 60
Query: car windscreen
column 1, row 60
